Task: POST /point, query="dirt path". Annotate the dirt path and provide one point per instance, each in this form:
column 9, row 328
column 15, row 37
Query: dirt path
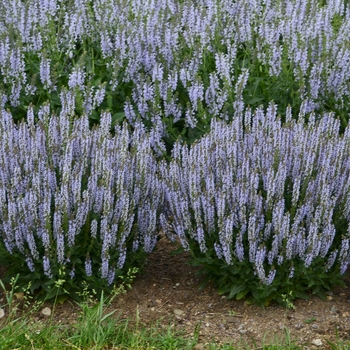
column 167, row 294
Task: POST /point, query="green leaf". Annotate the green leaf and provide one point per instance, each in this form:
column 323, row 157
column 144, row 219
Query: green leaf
column 62, row 298
column 321, row 294
column 118, row 117
column 94, row 116
column 108, row 315
column 179, row 251
column 242, row 294
column 311, row 283
column 49, row 282
column 310, row 320
column 254, row 100
column 34, row 286
column 235, row 290
column 205, row 282
column 76, row 260
column 301, row 295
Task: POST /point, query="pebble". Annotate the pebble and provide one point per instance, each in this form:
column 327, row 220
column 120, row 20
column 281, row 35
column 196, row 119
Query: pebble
column 178, row 312
column 46, row 311
column 231, row 319
column 2, row 313
column 198, row 346
column 19, row 296
column 242, row 331
column 317, row 342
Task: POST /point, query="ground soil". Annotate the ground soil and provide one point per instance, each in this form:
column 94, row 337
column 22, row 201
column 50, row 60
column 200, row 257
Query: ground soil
column 167, row 294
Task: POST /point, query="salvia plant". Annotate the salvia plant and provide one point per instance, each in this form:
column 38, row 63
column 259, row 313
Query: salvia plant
column 262, row 206
column 262, row 203
column 79, row 205
column 175, row 64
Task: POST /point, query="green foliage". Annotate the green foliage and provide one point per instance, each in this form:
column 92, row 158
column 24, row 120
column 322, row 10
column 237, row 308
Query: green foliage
column 98, row 71
column 239, row 280
column 62, row 285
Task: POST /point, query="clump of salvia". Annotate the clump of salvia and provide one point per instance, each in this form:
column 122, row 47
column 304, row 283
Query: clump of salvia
column 77, row 204
column 264, row 207
column 175, row 64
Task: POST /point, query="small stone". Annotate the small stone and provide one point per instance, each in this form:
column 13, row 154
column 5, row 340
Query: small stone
column 329, row 297
column 223, row 297
column 177, row 284
column 198, row 346
column 158, row 301
column 231, row 319
column 19, row 296
column 242, row 331
column 317, row 342
column 333, row 309
column 153, row 309
column 178, row 312
column 345, row 314
column 46, row 311
column 2, row 313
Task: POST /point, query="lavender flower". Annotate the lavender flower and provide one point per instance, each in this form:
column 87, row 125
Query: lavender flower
column 88, row 267
column 47, row 267
column 217, row 188
column 30, row 264
column 77, row 78
column 45, row 72
column 60, row 179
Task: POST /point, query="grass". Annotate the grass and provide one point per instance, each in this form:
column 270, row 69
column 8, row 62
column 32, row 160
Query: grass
column 97, row 327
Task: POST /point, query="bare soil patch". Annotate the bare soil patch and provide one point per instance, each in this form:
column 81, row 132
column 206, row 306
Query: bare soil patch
column 167, row 293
